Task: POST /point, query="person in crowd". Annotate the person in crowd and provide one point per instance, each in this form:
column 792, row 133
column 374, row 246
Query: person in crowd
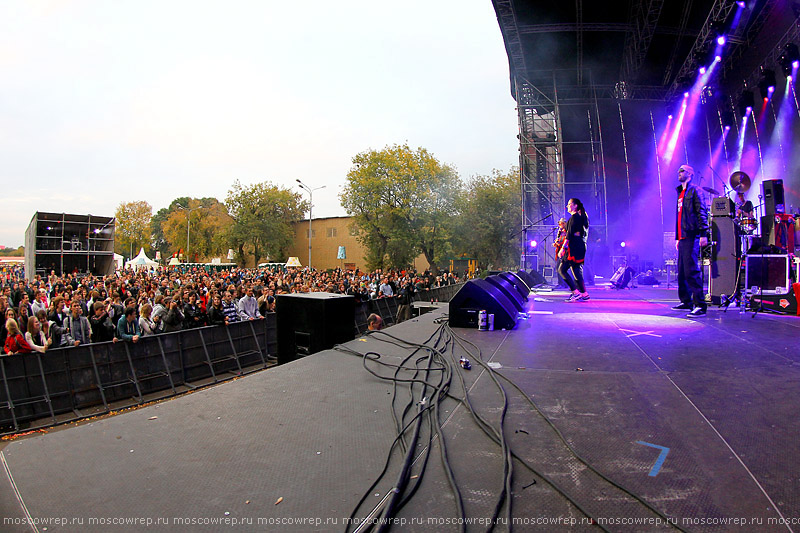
column 147, row 325
column 15, row 342
column 248, row 305
column 216, row 315
column 128, row 326
column 57, row 313
column 35, row 337
column 374, row 322
column 173, row 320
column 78, row 325
column 229, row 309
column 40, row 304
column 100, row 321
column 193, row 316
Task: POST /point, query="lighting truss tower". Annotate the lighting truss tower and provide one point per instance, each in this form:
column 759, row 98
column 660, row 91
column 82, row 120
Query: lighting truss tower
column 541, row 168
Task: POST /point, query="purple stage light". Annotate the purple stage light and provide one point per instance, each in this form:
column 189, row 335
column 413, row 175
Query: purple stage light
column 702, row 70
column 718, row 59
column 749, row 109
column 669, row 117
column 770, row 90
column 534, row 244
column 795, row 64
column 686, row 95
column 622, row 244
column 741, row 3
column 721, row 40
column 727, row 128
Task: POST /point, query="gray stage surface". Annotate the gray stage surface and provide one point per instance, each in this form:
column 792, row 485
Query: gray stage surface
column 697, row 417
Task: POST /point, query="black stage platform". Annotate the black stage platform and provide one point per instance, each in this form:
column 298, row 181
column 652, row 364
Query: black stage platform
column 695, row 417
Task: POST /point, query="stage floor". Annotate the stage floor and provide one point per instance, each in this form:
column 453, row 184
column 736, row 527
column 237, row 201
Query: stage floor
column 695, row 417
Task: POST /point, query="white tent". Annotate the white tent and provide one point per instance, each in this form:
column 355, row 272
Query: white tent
column 119, row 260
column 141, row 261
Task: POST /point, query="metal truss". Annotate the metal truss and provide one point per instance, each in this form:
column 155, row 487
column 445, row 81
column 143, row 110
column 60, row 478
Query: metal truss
column 511, row 34
column 645, row 18
column 719, row 12
column 542, row 180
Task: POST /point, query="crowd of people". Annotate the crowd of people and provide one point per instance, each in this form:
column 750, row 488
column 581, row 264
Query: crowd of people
column 61, row 311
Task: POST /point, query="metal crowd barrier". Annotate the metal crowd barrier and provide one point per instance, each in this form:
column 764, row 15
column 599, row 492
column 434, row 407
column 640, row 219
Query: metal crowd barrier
column 67, row 384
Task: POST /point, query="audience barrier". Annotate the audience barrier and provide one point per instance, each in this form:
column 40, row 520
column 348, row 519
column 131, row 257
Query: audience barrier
column 67, row 384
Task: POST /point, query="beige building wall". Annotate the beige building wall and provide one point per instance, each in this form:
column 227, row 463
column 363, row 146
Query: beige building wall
column 328, row 234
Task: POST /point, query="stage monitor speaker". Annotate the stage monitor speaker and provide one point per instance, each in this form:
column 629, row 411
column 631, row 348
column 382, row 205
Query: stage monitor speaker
column 772, row 190
column 523, row 288
column 477, row 295
column 310, row 323
column 508, row 289
column 537, row 277
column 527, row 278
column 724, row 258
column 784, row 304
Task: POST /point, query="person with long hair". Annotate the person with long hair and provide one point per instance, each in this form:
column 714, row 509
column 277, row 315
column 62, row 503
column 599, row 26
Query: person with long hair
column 573, row 251
column 35, row 337
column 15, row 342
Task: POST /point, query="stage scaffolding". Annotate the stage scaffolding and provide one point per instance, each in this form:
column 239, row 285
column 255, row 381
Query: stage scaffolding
column 543, row 177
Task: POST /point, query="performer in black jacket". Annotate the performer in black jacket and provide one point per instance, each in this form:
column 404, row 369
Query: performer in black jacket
column 691, row 229
column 573, row 252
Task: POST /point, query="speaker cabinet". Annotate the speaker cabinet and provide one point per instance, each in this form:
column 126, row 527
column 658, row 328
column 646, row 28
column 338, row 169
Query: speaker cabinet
column 310, row 323
column 508, row 290
column 537, row 278
column 527, row 278
column 476, row 295
column 772, row 191
column 521, row 287
column 724, row 258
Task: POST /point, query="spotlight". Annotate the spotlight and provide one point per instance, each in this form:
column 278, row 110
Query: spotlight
column 622, row 244
column 534, row 244
column 668, row 116
column 702, row 70
column 746, row 103
column 718, row 59
column 767, row 83
column 790, row 58
column 741, row 3
column 686, row 95
column 721, row 40
column 727, row 128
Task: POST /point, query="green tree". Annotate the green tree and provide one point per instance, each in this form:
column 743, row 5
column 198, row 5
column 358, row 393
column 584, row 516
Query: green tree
column 208, row 224
column 132, row 227
column 403, row 204
column 262, row 217
column 489, row 218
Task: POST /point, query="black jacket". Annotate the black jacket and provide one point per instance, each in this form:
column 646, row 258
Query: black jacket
column 694, row 218
column 577, row 232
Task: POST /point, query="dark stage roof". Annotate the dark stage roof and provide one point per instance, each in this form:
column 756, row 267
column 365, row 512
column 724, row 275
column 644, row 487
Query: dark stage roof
column 654, row 46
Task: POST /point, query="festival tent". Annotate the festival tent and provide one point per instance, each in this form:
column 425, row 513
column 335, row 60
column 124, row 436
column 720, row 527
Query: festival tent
column 141, row 261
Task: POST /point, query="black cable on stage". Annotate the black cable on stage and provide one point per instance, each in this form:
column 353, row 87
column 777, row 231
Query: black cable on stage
column 564, row 440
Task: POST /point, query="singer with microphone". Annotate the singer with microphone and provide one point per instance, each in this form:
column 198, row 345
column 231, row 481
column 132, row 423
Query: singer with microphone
column 691, row 228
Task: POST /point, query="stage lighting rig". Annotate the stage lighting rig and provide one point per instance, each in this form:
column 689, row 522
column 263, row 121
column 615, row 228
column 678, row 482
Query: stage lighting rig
column 747, row 100
column 788, row 57
column 767, row 82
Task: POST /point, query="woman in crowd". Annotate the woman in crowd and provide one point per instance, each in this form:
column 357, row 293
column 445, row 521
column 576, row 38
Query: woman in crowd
column 15, row 342
column 147, row 325
column 35, row 337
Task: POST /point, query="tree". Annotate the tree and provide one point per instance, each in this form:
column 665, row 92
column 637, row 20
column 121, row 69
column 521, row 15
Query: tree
column 208, row 221
column 262, row 216
column 132, row 226
column 403, row 203
column 489, row 218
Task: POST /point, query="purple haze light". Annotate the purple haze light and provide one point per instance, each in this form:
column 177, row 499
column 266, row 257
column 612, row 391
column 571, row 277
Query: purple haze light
column 721, row 40
column 702, row 70
column 686, row 95
column 669, row 117
column 622, row 244
column 718, row 59
column 741, row 3
column 534, row 244
column 795, row 64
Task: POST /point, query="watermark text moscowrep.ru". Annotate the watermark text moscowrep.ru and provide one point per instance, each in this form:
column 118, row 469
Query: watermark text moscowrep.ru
column 111, row 522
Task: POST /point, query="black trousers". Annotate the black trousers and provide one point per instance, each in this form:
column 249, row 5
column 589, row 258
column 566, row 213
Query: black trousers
column 577, row 269
column 690, row 284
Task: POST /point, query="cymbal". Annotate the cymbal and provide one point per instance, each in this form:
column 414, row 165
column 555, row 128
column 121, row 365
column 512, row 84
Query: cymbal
column 711, row 190
column 740, row 182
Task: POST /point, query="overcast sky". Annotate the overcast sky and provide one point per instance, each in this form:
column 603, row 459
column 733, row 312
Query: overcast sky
column 109, row 101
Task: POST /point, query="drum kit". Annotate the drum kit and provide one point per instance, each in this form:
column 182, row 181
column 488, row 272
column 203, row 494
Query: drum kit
column 745, row 222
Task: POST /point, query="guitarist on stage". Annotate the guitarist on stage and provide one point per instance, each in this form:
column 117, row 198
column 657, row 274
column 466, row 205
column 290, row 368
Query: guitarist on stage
column 573, row 251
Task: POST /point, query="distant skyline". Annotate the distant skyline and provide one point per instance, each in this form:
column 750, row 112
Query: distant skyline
column 105, row 102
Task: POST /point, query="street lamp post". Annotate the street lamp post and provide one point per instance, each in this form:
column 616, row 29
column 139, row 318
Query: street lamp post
column 310, row 192
column 188, row 220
